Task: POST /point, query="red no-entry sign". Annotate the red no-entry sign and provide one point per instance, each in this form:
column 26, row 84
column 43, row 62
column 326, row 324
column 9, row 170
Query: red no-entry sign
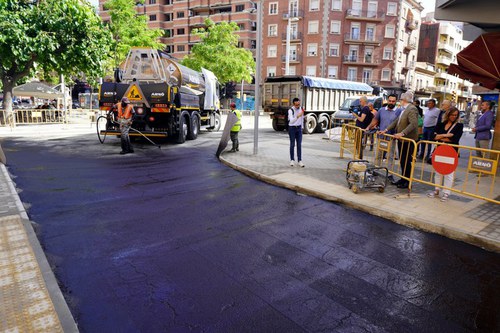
column 445, row 159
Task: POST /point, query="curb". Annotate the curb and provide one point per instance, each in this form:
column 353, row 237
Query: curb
column 473, row 239
column 66, row 319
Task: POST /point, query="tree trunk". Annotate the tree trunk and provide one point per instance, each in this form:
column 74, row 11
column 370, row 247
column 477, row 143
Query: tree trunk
column 8, row 86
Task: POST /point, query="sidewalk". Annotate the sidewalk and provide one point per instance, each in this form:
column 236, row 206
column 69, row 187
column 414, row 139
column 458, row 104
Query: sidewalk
column 462, row 218
column 30, row 298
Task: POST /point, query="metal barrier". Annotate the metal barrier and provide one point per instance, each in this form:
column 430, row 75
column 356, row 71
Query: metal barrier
column 474, row 176
column 48, row 116
column 350, row 140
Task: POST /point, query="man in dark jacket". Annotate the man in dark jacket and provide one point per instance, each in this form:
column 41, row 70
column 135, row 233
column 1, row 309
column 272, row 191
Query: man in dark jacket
column 483, row 128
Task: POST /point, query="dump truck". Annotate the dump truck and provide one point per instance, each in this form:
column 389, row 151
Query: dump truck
column 320, row 97
column 169, row 99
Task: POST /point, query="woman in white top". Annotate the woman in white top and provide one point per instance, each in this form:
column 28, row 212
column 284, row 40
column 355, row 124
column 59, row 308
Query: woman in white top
column 295, row 121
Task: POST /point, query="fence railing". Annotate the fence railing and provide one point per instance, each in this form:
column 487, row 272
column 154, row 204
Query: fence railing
column 46, row 116
column 474, row 176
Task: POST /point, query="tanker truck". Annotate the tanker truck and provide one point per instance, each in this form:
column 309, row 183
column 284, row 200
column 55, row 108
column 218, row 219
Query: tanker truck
column 169, row 99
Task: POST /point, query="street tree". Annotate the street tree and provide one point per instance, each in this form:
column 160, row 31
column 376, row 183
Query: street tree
column 129, row 29
column 218, row 52
column 65, row 36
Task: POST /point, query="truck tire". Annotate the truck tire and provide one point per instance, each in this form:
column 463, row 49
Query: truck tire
column 277, row 127
column 183, row 129
column 310, row 124
column 194, row 126
column 217, row 123
column 323, row 123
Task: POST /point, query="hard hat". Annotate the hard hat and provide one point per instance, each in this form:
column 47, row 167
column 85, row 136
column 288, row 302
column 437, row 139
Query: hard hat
column 125, row 100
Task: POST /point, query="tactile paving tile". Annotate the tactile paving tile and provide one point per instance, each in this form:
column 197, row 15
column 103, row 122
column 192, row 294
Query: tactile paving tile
column 25, row 304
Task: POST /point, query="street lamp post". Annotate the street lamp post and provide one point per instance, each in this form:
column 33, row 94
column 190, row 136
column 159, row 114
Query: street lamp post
column 258, row 70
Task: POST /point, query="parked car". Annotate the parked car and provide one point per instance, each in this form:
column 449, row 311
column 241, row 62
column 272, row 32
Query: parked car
column 351, row 104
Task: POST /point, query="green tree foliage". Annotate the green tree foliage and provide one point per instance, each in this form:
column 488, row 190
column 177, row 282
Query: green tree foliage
column 129, row 29
column 64, row 36
column 218, row 52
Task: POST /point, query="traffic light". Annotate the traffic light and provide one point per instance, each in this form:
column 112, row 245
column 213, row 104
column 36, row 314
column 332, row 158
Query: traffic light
column 453, row 96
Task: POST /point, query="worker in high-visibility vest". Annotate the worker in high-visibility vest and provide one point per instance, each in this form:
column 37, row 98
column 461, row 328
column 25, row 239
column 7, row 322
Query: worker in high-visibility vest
column 125, row 113
column 235, row 129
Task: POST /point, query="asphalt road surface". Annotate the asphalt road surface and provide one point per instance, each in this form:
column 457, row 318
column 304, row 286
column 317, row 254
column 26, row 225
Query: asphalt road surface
column 171, row 240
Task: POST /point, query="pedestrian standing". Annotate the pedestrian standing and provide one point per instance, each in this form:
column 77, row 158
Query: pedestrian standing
column 429, row 127
column 450, row 130
column 235, row 129
column 295, row 123
column 363, row 120
column 125, row 112
column 406, row 125
column 482, row 129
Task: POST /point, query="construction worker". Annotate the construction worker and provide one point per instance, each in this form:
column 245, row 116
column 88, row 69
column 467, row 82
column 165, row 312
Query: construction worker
column 125, row 112
column 235, row 129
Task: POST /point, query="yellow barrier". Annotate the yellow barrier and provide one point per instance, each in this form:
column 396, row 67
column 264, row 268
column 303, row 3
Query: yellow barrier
column 474, row 176
column 350, row 141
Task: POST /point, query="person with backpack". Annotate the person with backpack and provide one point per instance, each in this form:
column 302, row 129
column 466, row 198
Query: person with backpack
column 295, row 122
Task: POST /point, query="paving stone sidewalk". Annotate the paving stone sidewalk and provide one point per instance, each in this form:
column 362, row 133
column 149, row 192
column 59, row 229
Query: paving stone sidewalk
column 462, row 218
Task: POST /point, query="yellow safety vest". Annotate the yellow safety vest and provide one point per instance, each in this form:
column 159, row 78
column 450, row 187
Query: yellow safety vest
column 237, row 125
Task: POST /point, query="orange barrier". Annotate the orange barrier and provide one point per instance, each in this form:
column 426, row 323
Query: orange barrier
column 351, row 141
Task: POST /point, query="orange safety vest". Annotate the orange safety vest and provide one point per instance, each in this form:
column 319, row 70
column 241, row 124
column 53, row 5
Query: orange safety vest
column 127, row 114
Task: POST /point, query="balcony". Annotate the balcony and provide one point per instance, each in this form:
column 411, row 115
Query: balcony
column 446, row 48
column 365, row 15
column 294, row 13
column 443, row 60
column 293, row 58
column 411, row 45
column 359, row 60
column 295, row 37
column 408, row 66
column 357, row 38
column 411, row 24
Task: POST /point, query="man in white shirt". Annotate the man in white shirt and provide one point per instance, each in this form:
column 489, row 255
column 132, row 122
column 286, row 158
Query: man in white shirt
column 295, row 122
column 430, row 122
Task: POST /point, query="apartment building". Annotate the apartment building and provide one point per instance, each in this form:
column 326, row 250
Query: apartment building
column 439, row 44
column 374, row 42
column 178, row 18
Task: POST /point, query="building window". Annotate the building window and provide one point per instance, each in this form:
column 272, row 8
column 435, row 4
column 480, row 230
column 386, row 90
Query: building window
column 311, row 70
column 313, row 5
column 389, row 31
column 239, row 8
column 272, row 30
column 273, row 8
column 271, row 71
column 272, row 51
column 312, row 50
column 180, row 48
column 241, row 26
column 168, row 33
column 292, row 70
column 387, row 53
column 386, row 75
column 333, row 72
column 336, row 5
column 241, row 45
column 312, row 27
column 152, row 17
column 335, row 27
column 392, row 8
column 152, row 2
column 334, row 50
column 352, row 74
column 180, row 14
column 180, row 31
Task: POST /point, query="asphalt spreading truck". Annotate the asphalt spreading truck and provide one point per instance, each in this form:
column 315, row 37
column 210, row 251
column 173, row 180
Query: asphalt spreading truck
column 169, row 99
column 320, row 97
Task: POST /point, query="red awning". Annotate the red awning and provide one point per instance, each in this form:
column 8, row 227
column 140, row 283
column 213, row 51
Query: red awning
column 480, row 61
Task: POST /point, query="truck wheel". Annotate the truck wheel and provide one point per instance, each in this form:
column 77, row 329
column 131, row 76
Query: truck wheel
column 183, row 130
column 310, row 125
column 194, row 127
column 217, row 123
column 323, row 123
column 277, row 127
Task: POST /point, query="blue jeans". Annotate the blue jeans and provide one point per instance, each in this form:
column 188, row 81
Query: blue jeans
column 295, row 134
column 428, row 135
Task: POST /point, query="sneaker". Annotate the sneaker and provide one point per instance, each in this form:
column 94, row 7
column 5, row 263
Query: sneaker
column 292, row 163
column 433, row 194
column 445, row 197
column 301, row 164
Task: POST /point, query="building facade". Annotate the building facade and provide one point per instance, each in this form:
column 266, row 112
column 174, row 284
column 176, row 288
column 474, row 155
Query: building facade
column 439, row 44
